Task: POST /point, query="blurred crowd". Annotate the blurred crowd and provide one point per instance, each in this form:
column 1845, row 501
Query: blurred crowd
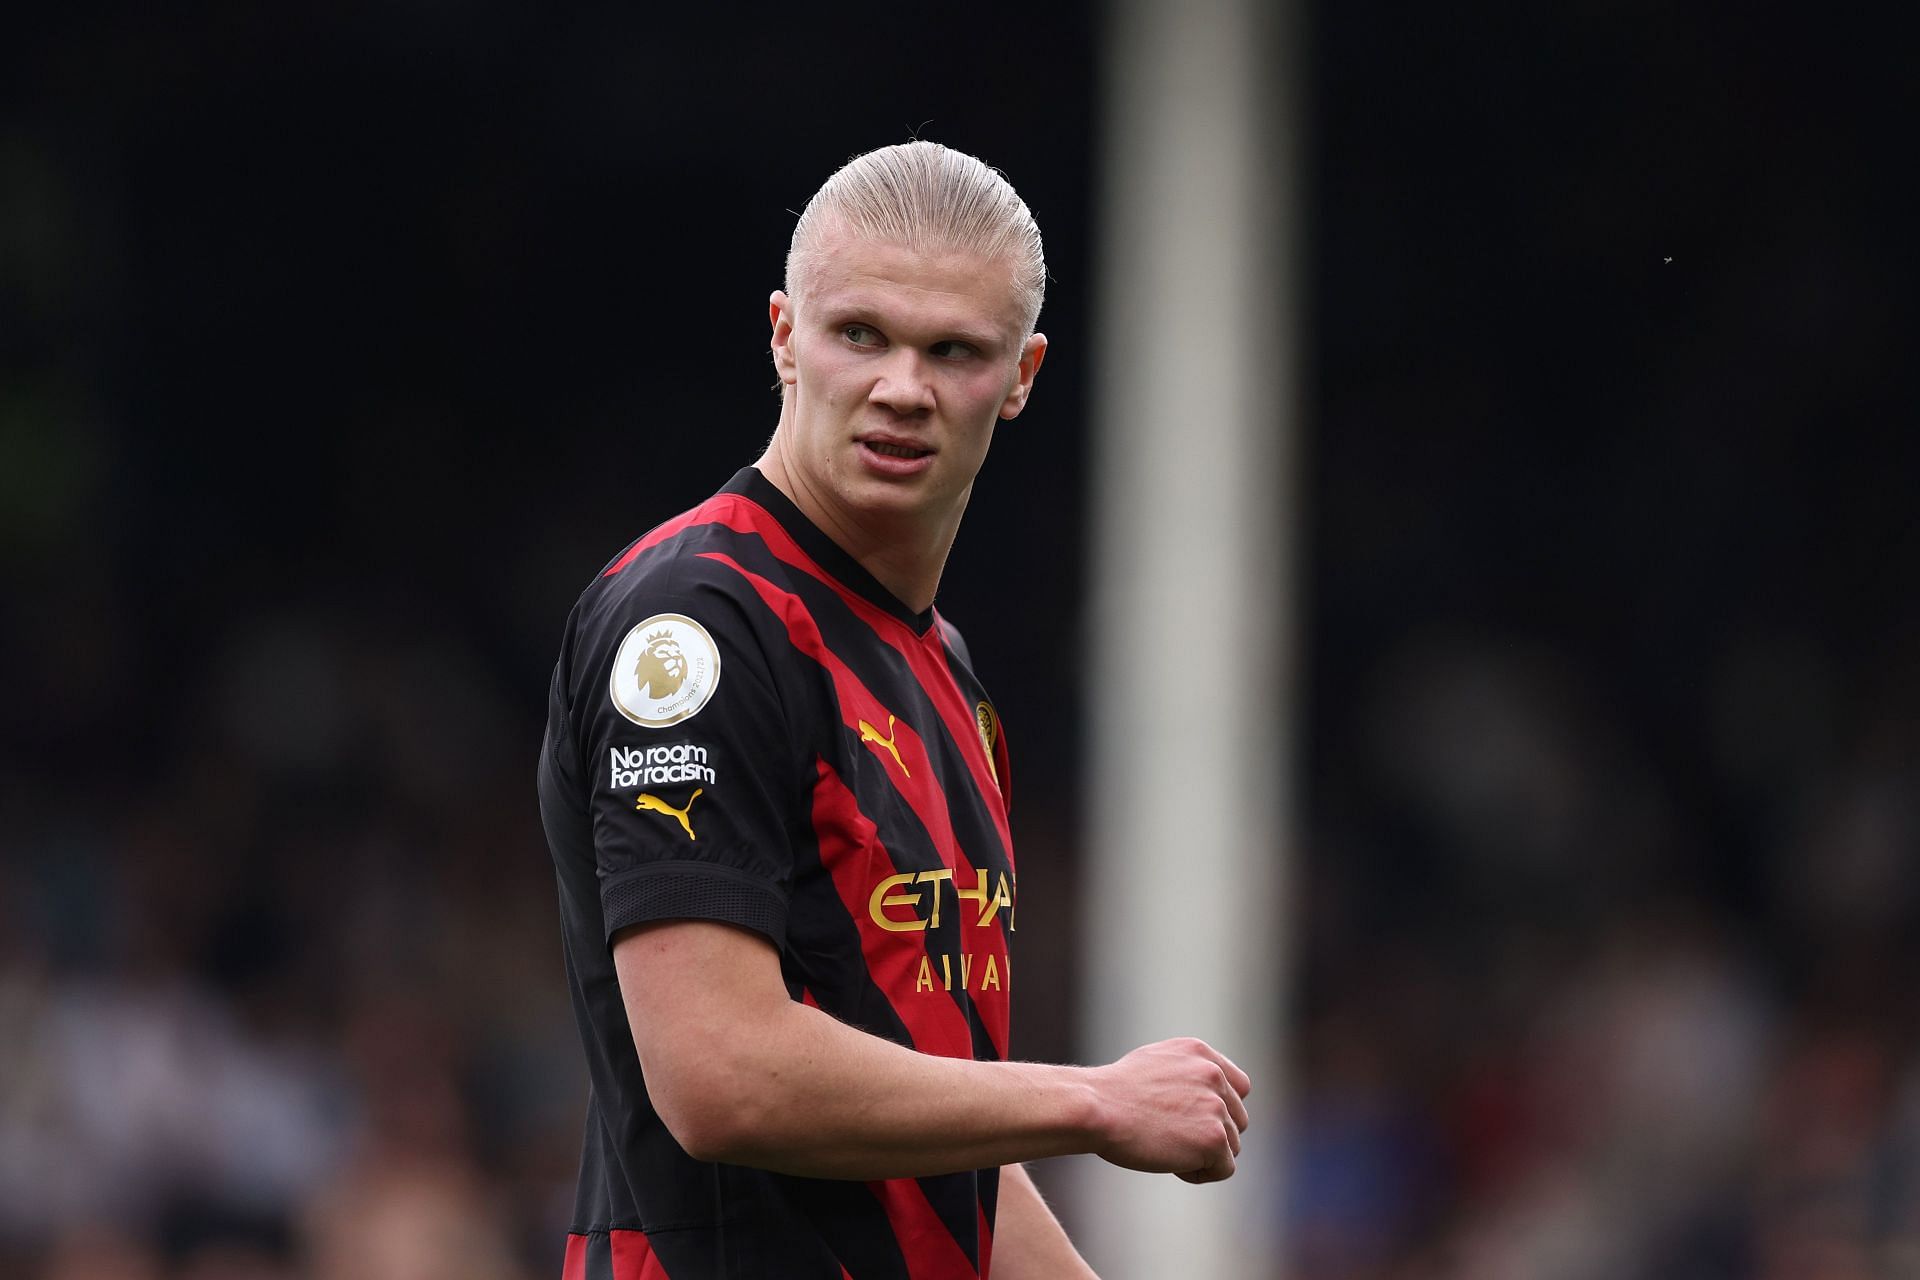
column 1611, row 891
column 1548, row 1033
column 282, row 996
column 288, row 1007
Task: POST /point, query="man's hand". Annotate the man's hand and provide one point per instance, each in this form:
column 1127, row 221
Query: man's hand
column 1174, row 1107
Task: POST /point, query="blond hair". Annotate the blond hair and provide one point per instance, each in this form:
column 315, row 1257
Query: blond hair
column 926, row 197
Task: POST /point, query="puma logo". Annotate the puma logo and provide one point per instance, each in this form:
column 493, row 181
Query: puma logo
column 658, row 805
column 870, row 734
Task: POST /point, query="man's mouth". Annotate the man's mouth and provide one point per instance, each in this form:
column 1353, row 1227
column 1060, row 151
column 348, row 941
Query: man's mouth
column 895, row 450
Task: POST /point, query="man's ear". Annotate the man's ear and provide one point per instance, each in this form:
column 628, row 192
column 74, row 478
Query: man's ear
column 780, row 313
column 1032, row 355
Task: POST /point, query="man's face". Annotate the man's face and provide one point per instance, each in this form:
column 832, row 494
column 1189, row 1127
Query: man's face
column 898, row 365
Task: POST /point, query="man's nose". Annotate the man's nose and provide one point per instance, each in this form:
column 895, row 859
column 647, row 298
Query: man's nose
column 904, row 384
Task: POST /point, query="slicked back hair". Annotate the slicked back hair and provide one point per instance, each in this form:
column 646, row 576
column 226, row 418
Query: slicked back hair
column 929, row 198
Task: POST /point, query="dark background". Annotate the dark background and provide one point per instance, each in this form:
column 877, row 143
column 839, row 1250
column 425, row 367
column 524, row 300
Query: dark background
column 340, row 345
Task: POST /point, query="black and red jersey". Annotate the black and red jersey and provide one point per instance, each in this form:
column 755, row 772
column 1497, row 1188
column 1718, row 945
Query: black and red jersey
column 745, row 726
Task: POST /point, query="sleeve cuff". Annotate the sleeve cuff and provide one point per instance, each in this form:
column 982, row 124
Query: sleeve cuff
column 694, row 891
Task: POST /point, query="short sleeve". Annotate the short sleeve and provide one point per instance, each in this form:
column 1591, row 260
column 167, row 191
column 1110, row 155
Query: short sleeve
column 684, row 744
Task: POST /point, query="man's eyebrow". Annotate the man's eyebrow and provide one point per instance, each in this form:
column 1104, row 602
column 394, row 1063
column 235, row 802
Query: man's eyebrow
column 858, row 310
column 973, row 337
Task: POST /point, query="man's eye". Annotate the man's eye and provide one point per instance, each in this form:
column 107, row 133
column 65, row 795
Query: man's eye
column 952, row 350
column 861, row 336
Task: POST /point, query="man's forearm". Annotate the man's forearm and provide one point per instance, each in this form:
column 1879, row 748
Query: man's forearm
column 741, row 1073
column 808, row 1095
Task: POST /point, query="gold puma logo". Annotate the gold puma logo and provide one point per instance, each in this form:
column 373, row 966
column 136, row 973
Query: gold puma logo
column 870, row 734
column 658, row 805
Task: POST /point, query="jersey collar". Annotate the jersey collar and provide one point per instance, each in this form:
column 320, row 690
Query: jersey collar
column 828, row 554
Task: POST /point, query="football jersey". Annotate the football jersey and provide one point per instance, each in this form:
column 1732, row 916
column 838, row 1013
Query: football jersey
column 744, row 726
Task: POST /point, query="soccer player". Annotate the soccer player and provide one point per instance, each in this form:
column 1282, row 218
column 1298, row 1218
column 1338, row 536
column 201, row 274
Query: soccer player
column 776, row 796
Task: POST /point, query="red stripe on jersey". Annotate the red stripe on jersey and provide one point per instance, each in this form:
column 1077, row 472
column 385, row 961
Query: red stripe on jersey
column 926, row 654
column 575, row 1267
column 929, row 1248
column 719, row 509
column 893, row 959
column 912, row 772
column 633, row 1257
column 747, row 516
column 916, row 784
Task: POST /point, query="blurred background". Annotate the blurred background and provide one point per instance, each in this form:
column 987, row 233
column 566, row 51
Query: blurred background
column 341, row 344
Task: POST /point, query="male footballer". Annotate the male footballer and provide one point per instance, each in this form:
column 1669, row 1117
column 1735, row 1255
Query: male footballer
column 776, row 797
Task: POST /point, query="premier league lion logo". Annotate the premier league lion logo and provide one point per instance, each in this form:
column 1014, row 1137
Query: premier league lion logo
column 662, row 666
column 665, row 670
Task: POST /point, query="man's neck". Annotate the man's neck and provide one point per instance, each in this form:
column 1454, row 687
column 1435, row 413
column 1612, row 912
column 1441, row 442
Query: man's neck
column 905, row 556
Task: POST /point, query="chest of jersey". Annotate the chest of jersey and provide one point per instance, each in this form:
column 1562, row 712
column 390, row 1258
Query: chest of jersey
column 912, row 837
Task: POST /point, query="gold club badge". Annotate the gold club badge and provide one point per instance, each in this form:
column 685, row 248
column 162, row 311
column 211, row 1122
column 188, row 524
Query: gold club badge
column 989, row 726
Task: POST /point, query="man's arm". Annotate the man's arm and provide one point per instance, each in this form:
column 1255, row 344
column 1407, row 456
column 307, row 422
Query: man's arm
column 741, row 1073
column 1028, row 1241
